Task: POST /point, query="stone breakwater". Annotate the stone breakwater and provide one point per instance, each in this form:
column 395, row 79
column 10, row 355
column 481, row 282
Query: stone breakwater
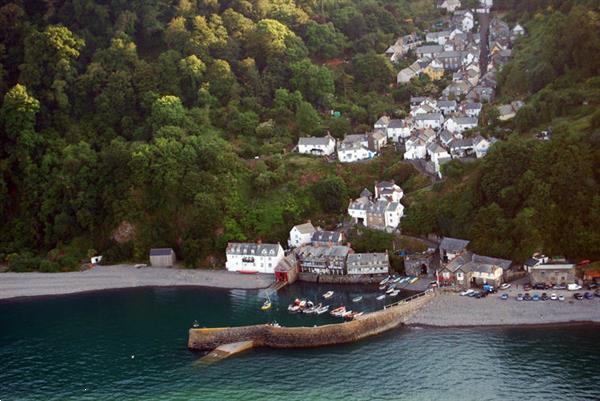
column 205, row 339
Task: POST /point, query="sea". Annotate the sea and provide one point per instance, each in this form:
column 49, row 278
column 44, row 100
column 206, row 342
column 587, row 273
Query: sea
column 131, row 345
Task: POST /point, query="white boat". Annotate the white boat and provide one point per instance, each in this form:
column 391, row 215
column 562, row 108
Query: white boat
column 328, row 294
column 390, row 290
column 309, row 304
column 293, row 308
column 346, row 313
column 322, row 310
column 384, row 281
column 404, row 279
column 397, row 280
column 302, row 304
column 338, row 311
column 394, row 293
column 379, row 298
column 382, row 287
column 357, row 299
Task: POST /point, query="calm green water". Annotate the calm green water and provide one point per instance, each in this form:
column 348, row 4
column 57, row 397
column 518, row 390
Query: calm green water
column 79, row 348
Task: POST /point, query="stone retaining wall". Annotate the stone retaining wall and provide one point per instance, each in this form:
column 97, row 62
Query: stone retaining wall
column 303, row 337
column 345, row 279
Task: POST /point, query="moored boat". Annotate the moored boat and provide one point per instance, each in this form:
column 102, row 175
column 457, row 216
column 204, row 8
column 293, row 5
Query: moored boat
column 328, row 294
column 382, row 287
column 322, row 310
column 390, row 290
column 357, row 299
column 293, row 308
column 384, row 281
column 394, row 293
column 338, row 311
column 379, row 298
column 266, row 305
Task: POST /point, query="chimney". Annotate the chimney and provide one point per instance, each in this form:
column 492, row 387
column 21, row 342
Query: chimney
column 259, row 241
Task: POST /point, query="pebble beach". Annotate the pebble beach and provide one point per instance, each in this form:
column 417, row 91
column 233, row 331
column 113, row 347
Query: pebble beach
column 453, row 310
column 16, row 285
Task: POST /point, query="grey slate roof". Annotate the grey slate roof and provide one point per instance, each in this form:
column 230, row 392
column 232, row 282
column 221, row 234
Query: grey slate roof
column 306, row 228
column 161, row 251
column 327, row 236
column 430, row 49
column 246, row 248
column 312, row 141
column 396, row 124
column 503, row 263
column 365, row 193
column 429, row 117
column 446, row 103
column 311, row 251
column 453, row 245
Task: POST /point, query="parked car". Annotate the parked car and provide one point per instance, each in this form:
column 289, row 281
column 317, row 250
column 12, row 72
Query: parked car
column 526, row 297
column 478, row 295
column 597, row 293
column 573, row 287
column 505, row 286
column 467, row 292
column 539, row 286
column 559, row 287
column 588, row 295
column 561, row 297
column 504, row 297
column 519, row 297
column 578, row 296
column 472, row 294
column 527, row 287
column 553, row 297
column 592, row 286
column 545, row 297
column 535, row 297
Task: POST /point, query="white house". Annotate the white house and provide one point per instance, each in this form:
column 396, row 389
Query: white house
column 415, row 148
column 249, row 257
column 472, row 109
column 429, row 120
column 301, row 234
column 460, row 124
column 382, row 123
column 398, row 129
column 393, row 213
column 461, row 147
column 349, row 152
column 438, row 37
column 357, row 209
column 377, row 140
column 317, row 145
column 463, row 20
column 436, row 152
column 447, row 106
column 482, row 145
column 449, row 5
column 446, row 137
column 423, row 108
column 388, row 190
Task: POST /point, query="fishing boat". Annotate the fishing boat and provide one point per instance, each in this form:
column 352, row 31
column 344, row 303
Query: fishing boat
column 382, row 287
column 322, row 310
column 379, row 298
column 266, row 305
column 384, row 281
column 338, row 311
column 390, row 290
column 394, row 293
column 357, row 299
column 328, row 294
column 293, row 308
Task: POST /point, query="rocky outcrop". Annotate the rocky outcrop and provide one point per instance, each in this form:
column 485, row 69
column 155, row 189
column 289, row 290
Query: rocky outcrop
column 303, row 337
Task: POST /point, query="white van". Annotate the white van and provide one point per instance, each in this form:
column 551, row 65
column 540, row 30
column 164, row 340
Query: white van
column 573, row 287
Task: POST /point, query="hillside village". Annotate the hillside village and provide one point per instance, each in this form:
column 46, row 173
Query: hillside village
column 438, row 130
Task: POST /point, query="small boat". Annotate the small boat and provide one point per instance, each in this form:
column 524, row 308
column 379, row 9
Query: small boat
column 397, row 280
column 346, row 314
column 382, row 287
column 338, row 311
column 404, row 279
column 310, row 311
column 357, row 299
column 394, row 293
column 293, row 308
column 328, row 294
column 302, row 304
column 322, row 310
column 413, row 280
column 379, row 298
column 266, row 305
column 390, row 290
column 309, row 304
column 353, row 315
column 384, row 281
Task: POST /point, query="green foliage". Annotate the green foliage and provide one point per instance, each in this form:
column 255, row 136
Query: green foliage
column 367, row 240
column 331, row 194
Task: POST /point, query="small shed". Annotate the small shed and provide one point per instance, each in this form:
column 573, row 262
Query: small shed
column 162, row 257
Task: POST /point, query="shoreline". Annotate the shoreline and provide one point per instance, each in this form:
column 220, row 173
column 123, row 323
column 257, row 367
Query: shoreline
column 20, row 286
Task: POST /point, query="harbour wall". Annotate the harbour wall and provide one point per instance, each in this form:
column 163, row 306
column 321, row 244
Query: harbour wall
column 264, row 335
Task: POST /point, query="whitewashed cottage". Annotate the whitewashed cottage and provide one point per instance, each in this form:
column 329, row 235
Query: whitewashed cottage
column 250, row 257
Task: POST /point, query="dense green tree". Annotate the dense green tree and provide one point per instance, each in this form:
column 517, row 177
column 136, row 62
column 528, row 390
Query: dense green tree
column 314, row 82
column 331, row 194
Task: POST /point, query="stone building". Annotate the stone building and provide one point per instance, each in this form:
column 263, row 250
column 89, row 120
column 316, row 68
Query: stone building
column 162, row 257
column 368, row 263
column 323, row 259
column 419, row 264
column 552, row 274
